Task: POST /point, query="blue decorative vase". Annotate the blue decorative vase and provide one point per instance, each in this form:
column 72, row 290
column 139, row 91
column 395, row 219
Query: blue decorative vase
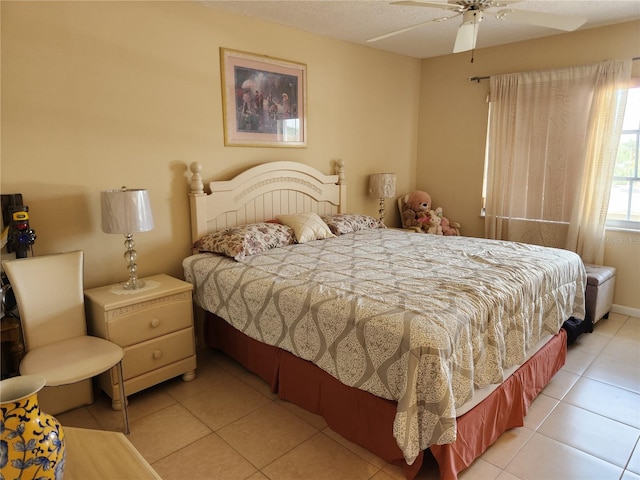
column 32, row 444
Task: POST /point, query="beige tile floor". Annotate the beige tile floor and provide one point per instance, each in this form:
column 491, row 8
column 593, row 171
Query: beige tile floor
column 227, row 425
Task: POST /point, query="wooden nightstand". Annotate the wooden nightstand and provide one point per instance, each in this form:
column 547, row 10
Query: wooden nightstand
column 153, row 325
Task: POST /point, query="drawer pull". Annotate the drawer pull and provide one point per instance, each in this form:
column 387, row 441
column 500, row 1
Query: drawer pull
column 157, row 354
column 155, row 322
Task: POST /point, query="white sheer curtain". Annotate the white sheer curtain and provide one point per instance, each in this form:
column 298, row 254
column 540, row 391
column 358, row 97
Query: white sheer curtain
column 553, row 138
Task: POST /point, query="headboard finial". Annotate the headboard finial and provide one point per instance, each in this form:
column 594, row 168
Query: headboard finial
column 340, row 170
column 196, row 179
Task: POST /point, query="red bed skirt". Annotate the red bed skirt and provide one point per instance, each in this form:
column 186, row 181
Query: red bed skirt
column 367, row 420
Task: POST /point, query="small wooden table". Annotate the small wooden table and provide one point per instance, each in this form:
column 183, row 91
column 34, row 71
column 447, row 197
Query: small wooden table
column 96, row 454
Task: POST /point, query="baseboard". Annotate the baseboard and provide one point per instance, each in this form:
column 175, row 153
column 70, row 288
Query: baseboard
column 621, row 309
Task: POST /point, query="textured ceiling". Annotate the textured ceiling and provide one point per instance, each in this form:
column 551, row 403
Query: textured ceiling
column 356, row 21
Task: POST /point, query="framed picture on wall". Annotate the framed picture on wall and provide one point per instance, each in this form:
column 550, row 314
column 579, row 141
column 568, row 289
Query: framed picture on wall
column 264, row 100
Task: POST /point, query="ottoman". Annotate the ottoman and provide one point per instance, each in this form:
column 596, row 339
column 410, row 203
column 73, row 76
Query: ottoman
column 601, row 281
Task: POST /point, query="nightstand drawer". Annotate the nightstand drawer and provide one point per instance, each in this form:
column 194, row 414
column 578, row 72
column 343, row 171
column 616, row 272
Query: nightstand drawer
column 147, row 356
column 152, row 322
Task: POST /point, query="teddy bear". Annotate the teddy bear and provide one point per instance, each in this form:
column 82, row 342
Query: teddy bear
column 435, row 222
column 415, row 209
column 450, row 228
column 417, row 214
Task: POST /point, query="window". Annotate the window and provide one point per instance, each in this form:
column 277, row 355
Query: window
column 624, row 201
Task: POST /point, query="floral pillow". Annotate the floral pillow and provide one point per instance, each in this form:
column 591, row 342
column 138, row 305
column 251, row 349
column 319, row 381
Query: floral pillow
column 351, row 222
column 238, row 242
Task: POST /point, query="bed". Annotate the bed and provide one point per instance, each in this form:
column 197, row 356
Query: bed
column 402, row 341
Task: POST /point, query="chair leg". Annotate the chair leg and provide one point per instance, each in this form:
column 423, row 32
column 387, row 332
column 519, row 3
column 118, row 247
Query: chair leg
column 123, row 399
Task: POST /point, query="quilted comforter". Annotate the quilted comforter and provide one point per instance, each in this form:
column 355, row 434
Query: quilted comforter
column 419, row 319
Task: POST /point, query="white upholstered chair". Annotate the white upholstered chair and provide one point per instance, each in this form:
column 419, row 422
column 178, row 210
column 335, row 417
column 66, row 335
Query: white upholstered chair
column 50, row 297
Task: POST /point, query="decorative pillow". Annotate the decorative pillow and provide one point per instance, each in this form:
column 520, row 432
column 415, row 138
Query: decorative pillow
column 351, row 222
column 306, row 226
column 238, row 242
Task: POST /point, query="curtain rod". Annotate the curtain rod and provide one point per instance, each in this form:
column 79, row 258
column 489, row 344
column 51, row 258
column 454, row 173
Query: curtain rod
column 477, row 79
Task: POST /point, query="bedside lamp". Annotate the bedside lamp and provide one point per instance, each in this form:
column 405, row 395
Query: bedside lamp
column 382, row 185
column 127, row 211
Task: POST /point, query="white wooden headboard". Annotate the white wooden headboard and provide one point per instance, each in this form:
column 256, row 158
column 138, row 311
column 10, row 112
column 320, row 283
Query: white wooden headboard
column 263, row 192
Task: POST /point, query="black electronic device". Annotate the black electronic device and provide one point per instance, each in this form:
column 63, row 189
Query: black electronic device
column 8, row 298
column 21, row 236
column 8, row 200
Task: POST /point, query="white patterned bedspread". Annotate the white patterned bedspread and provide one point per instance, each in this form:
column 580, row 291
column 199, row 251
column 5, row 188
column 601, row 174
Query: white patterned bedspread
column 416, row 318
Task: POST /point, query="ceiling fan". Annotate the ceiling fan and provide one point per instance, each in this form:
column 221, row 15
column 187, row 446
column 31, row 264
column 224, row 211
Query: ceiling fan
column 473, row 12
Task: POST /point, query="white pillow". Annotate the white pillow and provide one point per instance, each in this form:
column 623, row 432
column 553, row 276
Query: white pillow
column 306, row 226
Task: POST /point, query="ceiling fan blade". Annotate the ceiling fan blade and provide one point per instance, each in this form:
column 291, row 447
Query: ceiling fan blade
column 406, row 29
column 468, row 31
column 502, row 3
column 457, row 5
column 560, row 22
column 417, row 3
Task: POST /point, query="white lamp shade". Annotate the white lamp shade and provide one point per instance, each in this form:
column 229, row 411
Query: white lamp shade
column 382, row 185
column 126, row 211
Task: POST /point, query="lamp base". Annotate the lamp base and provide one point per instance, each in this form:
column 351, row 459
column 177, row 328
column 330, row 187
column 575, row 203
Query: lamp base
column 381, row 211
column 130, row 256
column 133, row 284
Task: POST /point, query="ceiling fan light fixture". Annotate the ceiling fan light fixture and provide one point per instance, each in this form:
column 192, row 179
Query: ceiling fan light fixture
column 468, row 31
column 472, row 16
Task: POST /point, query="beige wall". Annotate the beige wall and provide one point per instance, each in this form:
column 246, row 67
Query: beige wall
column 453, row 123
column 96, row 95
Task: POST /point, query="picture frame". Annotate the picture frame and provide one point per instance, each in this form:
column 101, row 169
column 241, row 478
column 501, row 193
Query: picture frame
column 264, row 100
